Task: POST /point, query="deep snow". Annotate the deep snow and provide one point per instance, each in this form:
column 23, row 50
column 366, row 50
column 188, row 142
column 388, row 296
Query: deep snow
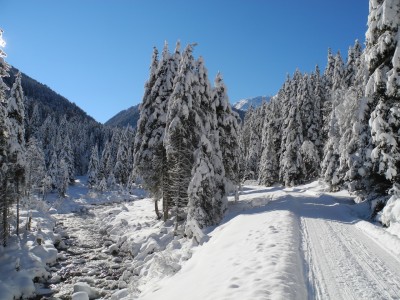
column 290, row 243
column 274, row 243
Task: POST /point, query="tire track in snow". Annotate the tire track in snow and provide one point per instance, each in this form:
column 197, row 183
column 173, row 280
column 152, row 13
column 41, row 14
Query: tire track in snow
column 344, row 263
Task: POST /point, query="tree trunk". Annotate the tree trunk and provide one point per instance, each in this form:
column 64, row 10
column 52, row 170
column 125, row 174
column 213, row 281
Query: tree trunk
column 18, row 197
column 156, row 209
column 5, row 225
column 165, row 178
column 236, row 193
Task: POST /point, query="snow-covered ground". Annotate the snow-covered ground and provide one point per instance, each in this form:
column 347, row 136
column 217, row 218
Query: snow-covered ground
column 274, row 243
column 293, row 243
column 27, row 258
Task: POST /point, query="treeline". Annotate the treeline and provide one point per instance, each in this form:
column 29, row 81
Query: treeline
column 341, row 126
column 46, row 141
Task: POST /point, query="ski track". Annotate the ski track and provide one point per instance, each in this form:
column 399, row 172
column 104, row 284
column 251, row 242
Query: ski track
column 344, row 263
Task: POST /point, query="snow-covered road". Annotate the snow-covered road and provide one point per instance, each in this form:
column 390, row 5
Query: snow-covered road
column 344, row 262
column 299, row 243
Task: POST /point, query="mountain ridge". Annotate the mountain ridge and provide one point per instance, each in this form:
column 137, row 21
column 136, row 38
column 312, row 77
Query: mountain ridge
column 131, row 115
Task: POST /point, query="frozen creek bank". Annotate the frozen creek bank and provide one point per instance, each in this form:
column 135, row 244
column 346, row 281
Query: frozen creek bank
column 111, row 250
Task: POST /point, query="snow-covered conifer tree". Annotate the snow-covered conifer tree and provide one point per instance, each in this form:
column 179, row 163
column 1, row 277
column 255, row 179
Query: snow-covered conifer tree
column 5, row 200
column 330, row 162
column 36, row 165
column 228, row 128
column 121, row 168
column 52, row 170
column 291, row 161
column 311, row 123
column 244, row 141
column 150, row 156
column 183, row 128
column 17, row 155
column 383, row 60
column 202, row 187
column 105, row 167
column 66, row 154
column 254, row 147
column 269, row 162
column 93, row 170
column 210, row 131
column 62, row 178
column 352, row 64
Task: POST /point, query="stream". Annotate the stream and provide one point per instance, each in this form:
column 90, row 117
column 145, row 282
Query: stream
column 86, row 255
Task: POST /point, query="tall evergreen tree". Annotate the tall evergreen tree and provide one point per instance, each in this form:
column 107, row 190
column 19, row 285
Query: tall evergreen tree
column 105, row 168
column 330, row 162
column 228, row 129
column 94, row 164
column 269, row 162
column 36, row 165
column 62, row 177
column 121, row 168
column 254, row 148
column 310, row 112
column 291, row 161
column 17, row 159
column 4, row 145
column 244, row 142
column 150, row 156
column 383, row 60
column 183, row 128
column 210, row 132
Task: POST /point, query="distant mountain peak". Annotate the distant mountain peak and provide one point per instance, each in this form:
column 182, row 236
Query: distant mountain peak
column 244, row 104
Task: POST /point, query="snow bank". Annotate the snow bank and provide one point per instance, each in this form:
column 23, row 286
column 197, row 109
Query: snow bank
column 390, row 215
column 24, row 260
column 385, row 238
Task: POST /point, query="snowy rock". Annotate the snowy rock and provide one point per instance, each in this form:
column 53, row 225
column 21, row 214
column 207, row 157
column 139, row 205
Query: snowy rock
column 80, row 296
column 108, row 243
column 120, row 294
column 61, row 256
column 84, row 287
column 113, row 249
column 61, row 245
column 117, row 260
column 55, row 279
column 46, row 252
column 52, row 211
column 122, row 285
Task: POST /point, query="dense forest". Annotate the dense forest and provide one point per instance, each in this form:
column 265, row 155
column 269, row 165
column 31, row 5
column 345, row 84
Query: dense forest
column 190, row 149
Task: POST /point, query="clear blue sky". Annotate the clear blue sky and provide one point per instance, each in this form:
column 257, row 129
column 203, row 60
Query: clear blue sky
column 97, row 53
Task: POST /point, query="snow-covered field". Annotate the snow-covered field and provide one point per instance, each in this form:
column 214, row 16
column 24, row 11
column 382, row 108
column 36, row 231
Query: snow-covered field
column 274, row 243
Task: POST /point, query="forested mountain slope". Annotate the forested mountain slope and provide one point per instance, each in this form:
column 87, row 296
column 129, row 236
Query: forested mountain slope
column 50, row 101
column 125, row 117
column 131, row 115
